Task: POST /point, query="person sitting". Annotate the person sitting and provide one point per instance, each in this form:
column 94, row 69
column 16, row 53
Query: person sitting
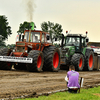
column 73, row 77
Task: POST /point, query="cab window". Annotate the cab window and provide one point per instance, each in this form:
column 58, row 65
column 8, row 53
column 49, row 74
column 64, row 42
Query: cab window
column 43, row 38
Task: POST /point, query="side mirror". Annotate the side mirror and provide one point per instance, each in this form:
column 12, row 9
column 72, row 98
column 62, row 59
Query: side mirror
column 48, row 37
column 87, row 40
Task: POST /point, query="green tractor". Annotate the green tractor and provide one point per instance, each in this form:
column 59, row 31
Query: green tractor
column 74, row 51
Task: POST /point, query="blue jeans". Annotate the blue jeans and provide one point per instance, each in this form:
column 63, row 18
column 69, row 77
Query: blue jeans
column 72, row 91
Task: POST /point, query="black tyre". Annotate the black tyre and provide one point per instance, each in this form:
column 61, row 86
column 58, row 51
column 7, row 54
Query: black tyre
column 5, row 65
column 20, row 66
column 38, row 60
column 51, row 59
column 78, row 61
column 89, row 61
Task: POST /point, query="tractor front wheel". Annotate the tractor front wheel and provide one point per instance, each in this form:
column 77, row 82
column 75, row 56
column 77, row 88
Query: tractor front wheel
column 3, row 64
column 37, row 63
column 78, row 61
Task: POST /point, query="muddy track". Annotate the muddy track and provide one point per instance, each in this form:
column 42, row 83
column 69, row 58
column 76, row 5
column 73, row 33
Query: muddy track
column 20, row 83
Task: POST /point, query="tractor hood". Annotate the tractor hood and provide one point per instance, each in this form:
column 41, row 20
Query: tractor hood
column 22, row 46
column 70, row 50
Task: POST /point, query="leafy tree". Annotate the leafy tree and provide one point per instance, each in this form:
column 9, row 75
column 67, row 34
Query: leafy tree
column 57, row 30
column 2, row 44
column 24, row 26
column 54, row 29
column 5, row 30
column 12, row 46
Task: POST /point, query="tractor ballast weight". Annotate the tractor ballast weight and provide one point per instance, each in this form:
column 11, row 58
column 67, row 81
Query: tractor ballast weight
column 34, row 51
column 74, row 51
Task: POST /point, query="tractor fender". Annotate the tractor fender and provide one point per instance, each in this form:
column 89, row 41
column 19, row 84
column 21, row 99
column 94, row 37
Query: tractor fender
column 87, row 51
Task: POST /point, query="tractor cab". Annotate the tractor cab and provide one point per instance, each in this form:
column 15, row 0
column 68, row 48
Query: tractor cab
column 76, row 40
column 34, row 37
column 32, row 40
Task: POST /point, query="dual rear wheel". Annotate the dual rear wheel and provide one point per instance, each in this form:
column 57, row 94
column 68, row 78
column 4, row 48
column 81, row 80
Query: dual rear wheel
column 83, row 63
column 49, row 60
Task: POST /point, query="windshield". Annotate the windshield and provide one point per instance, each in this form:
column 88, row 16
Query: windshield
column 34, row 37
column 72, row 41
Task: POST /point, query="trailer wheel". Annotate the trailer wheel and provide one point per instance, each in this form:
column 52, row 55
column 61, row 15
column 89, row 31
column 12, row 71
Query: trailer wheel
column 78, row 61
column 5, row 65
column 37, row 61
column 89, row 61
column 51, row 59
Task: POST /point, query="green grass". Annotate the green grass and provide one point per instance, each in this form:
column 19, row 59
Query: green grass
column 85, row 94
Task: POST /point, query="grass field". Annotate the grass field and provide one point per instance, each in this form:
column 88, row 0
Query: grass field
column 85, row 94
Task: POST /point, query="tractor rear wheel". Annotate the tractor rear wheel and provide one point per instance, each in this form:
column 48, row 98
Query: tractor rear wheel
column 78, row 61
column 37, row 63
column 5, row 65
column 51, row 59
column 89, row 61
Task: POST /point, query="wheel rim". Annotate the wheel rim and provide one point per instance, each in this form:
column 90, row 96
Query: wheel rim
column 80, row 62
column 56, row 60
column 90, row 61
column 39, row 62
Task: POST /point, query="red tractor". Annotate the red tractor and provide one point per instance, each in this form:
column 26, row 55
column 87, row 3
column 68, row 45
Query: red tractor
column 34, row 51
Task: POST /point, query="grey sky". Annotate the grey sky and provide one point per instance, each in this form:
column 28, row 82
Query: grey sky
column 75, row 15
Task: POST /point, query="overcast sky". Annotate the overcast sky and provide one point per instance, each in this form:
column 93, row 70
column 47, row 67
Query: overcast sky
column 77, row 16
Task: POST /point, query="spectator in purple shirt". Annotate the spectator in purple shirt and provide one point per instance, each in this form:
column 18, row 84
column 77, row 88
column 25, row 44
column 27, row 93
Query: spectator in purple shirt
column 73, row 78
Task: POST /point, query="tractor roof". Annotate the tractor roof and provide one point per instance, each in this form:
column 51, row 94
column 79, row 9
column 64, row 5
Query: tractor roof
column 36, row 31
column 76, row 35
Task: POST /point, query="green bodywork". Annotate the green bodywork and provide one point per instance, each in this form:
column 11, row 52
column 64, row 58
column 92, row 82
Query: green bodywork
column 71, row 50
column 73, row 44
column 32, row 26
column 84, row 51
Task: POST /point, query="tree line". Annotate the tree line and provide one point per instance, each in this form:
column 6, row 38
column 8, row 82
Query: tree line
column 54, row 29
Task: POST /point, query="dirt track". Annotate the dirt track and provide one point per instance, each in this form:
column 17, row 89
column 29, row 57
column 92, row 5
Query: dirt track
column 17, row 83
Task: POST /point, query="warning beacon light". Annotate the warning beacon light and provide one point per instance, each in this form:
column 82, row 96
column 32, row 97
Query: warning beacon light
column 86, row 33
column 66, row 32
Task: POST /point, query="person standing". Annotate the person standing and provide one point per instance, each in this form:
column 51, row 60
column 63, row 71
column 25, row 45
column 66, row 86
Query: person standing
column 73, row 80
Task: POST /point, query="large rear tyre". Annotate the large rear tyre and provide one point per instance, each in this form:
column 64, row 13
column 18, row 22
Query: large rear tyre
column 78, row 61
column 5, row 65
column 37, row 63
column 51, row 59
column 89, row 61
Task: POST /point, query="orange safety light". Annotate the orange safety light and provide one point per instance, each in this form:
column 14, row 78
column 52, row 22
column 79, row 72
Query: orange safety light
column 66, row 32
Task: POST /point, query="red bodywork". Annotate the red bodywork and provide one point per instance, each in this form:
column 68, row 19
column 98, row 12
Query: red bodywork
column 31, row 45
